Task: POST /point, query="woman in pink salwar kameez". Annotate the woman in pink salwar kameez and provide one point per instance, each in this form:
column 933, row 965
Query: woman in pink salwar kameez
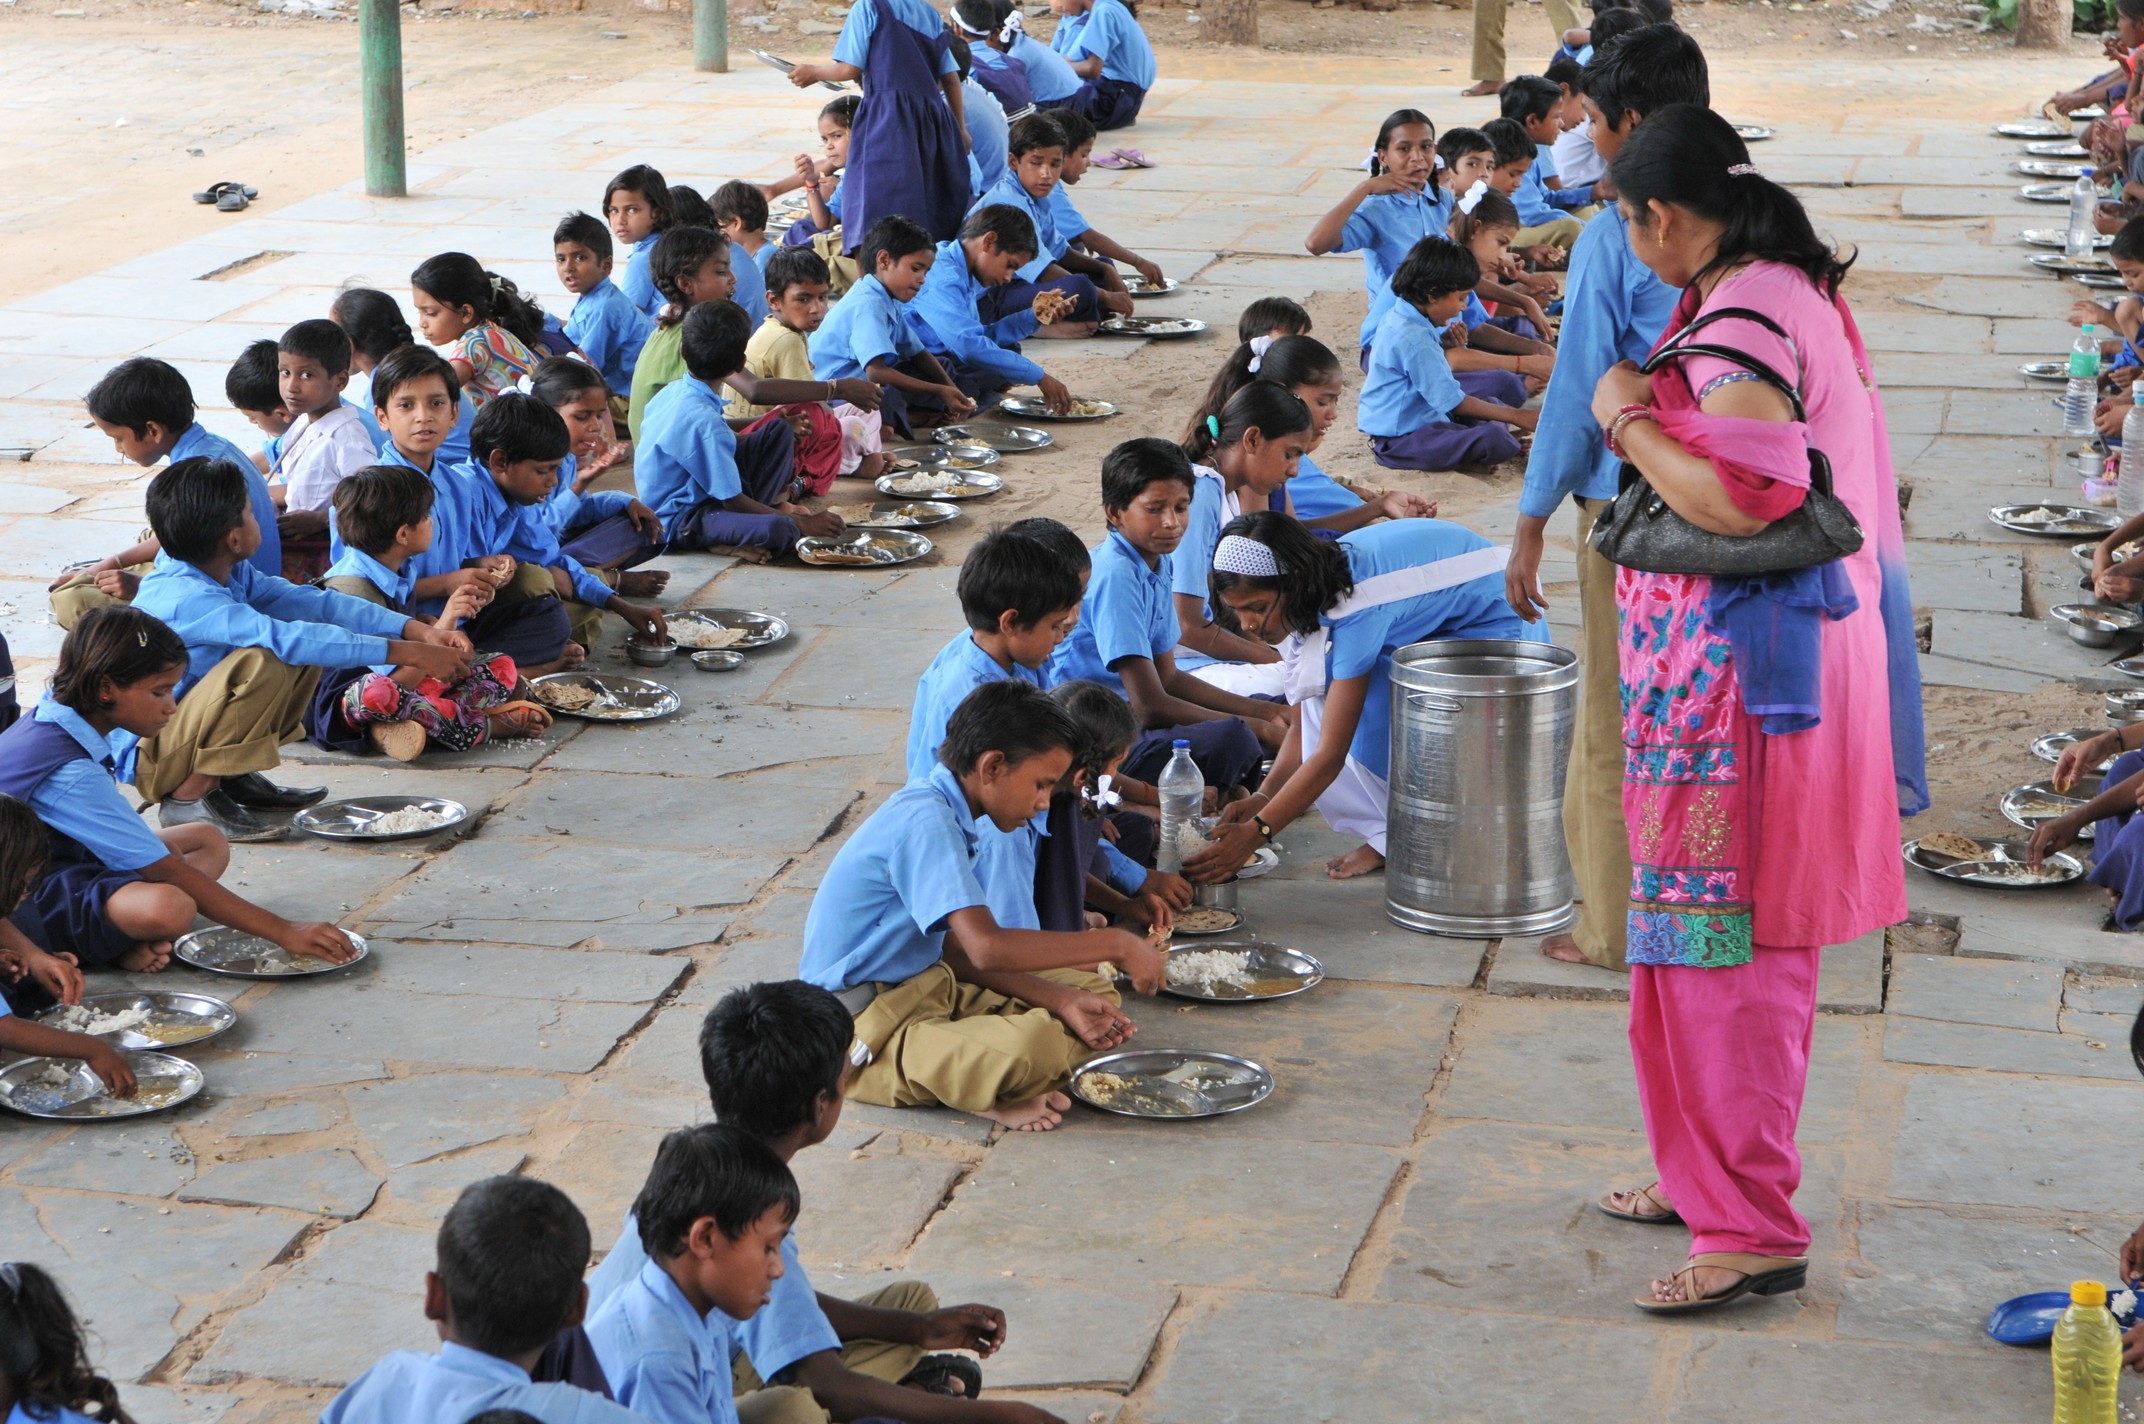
column 1772, row 725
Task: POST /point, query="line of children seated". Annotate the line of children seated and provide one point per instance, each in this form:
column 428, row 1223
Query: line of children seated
column 867, row 339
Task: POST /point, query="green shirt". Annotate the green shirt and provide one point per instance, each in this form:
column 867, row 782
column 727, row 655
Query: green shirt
column 662, row 361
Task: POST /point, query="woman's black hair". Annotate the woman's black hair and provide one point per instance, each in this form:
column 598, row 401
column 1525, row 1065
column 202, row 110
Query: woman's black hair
column 1692, row 158
column 1314, row 573
column 1397, row 119
column 1434, row 267
column 649, row 184
column 1106, row 725
column 843, row 110
column 24, row 848
column 1288, row 361
column 1458, row 143
column 677, row 252
column 1269, row 314
column 459, row 280
column 891, row 236
column 557, row 380
column 116, row 641
column 1265, row 406
column 42, row 1354
column 1492, row 209
column 372, row 320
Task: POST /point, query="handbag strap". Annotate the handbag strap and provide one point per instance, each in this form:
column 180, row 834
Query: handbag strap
column 1679, row 346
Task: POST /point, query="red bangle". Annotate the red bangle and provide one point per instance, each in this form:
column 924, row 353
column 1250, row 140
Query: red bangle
column 1611, row 434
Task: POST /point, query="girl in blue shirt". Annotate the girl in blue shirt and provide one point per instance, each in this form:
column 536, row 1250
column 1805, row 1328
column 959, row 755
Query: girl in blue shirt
column 636, row 204
column 979, row 22
column 1484, row 222
column 45, row 1374
column 820, row 178
column 1417, row 414
column 1103, row 43
column 1387, row 213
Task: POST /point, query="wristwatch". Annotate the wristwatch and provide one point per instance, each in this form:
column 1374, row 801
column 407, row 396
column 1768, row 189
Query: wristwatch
column 1263, row 828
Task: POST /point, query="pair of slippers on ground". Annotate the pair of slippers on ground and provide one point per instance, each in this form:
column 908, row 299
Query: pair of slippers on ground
column 228, row 197
column 1123, row 158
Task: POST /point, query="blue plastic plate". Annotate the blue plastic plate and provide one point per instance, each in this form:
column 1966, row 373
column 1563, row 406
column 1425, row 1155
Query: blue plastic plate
column 2031, row 1319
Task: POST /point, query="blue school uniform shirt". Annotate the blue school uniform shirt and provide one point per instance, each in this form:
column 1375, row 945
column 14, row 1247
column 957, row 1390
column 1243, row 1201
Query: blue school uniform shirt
column 1050, row 243
column 687, row 453
column 866, row 325
column 459, row 1383
column 1384, row 228
column 639, row 279
column 199, row 442
column 302, row 626
column 1071, row 223
column 1544, row 169
column 788, row 1328
column 854, row 44
column 960, row 667
column 81, row 799
column 881, row 910
column 1191, row 561
column 20, row 1414
column 1313, row 494
column 989, row 135
column 449, row 541
column 1362, row 643
column 947, row 321
column 610, row 331
column 1410, row 384
column 1111, row 31
column 1127, row 613
column 567, row 509
column 395, row 586
column 1049, row 74
column 1005, row 868
column 1614, row 309
column 490, row 523
column 665, row 1361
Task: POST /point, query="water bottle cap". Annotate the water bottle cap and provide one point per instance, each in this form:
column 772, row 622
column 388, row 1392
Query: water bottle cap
column 2089, row 328
column 2087, row 1293
column 2136, row 392
column 1182, row 744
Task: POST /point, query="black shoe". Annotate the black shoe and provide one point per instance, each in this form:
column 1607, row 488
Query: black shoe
column 258, row 792
column 218, row 810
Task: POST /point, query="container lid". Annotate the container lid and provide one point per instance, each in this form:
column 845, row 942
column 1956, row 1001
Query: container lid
column 1182, row 744
column 2087, row 1293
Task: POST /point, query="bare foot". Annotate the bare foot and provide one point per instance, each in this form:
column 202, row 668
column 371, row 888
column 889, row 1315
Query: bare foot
column 147, row 957
column 1482, row 89
column 1038, row 1114
column 744, row 553
column 643, row 583
column 1563, row 947
column 1360, row 861
column 569, row 658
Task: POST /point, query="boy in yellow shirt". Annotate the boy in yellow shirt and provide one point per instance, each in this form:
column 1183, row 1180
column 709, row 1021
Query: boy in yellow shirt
column 833, row 438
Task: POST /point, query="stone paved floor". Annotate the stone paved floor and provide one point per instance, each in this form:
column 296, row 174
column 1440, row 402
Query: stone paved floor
column 1403, row 1232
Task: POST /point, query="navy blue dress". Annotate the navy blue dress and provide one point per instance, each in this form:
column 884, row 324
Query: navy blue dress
column 905, row 153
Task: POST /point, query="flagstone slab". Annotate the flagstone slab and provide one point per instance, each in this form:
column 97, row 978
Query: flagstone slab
column 1833, row 1382
column 570, row 879
column 358, row 1295
column 1999, row 993
column 2012, row 1142
column 327, row 1182
column 411, row 1120
column 2003, row 1050
column 462, row 1030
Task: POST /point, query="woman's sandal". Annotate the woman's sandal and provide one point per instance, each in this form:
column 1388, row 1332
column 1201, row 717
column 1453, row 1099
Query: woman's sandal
column 1761, row 1275
column 517, row 719
column 1665, row 1216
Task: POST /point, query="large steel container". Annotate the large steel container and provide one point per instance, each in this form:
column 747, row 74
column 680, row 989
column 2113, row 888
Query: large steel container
column 1481, row 734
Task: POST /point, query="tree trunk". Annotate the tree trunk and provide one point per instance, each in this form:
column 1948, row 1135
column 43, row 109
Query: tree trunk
column 2043, row 24
column 1233, row 22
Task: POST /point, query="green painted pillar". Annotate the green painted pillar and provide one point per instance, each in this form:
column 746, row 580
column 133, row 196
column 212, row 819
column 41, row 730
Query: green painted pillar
column 379, row 40
column 711, row 36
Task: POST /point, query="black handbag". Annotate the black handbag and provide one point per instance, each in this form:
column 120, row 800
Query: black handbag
column 1640, row 531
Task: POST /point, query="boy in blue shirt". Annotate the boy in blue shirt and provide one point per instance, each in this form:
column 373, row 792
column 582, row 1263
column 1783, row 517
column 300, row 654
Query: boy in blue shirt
column 868, row 334
column 775, row 1056
column 1036, row 148
column 511, row 1253
column 947, row 313
column 1547, row 237
column 1412, row 407
column 1537, row 105
column 604, row 323
column 712, row 1216
column 147, row 409
column 950, row 1007
column 255, row 648
column 685, row 466
column 255, row 392
column 740, row 213
column 1072, row 224
column 1127, row 632
column 1102, row 41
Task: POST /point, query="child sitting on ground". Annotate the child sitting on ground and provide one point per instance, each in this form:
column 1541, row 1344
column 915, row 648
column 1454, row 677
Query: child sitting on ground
column 508, row 1279
column 950, row 1008
column 984, row 359
column 1072, row 225
column 604, row 323
column 1417, row 415
column 384, row 515
column 1386, row 214
column 868, row 335
column 687, row 466
column 739, row 213
column 1082, row 879
column 717, row 1204
column 834, row 438
column 146, row 409
column 326, row 440
column 255, row 647
column 255, row 391
column 376, row 330
column 1103, row 43
column 1543, row 243
column 466, row 311
column 1272, row 318
column 1035, row 148
column 45, row 1374
column 113, row 893
column 820, row 178
column 609, row 531
column 1538, row 105
column 45, row 978
column 1484, row 223
column 775, row 1056
column 636, row 204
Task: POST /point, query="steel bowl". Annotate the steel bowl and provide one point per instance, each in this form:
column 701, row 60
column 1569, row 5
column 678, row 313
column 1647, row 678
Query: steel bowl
column 718, row 660
column 1216, row 897
column 649, row 653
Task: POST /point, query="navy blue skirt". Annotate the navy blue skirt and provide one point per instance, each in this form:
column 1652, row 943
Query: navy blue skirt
column 64, row 912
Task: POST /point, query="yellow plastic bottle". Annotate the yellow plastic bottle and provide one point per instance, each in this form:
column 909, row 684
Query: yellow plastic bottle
column 2088, row 1358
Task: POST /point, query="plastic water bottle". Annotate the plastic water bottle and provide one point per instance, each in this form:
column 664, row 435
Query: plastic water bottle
column 1183, row 793
column 2082, row 394
column 2084, row 208
column 2088, row 1358
column 2129, row 485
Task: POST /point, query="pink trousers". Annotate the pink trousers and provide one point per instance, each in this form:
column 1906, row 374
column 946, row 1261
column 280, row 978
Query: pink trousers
column 1722, row 1058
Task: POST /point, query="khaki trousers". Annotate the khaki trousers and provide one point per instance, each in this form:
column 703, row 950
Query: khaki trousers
column 80, row 593
column 1489, row 33
column 938, row 1040
column 761, row 1403
column 229, row 723
column 1593, row 826
column 1557, row 232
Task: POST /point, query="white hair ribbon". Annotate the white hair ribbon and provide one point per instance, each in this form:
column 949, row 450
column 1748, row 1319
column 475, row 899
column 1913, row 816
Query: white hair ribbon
column 1439, row 159
column 1104, row 794
column 1260, row 345
column 1473, row 196
column 1014, row 27
column 1236, row 554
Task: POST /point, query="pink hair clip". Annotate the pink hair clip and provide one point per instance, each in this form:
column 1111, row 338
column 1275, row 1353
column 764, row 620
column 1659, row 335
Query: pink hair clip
column 1742, row 170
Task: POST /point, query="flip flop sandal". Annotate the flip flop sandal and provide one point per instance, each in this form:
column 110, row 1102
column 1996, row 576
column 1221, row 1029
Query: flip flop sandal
column 517, row 719
column 1110, row 160
column 1667, row 1216
column 1761, row 1275
column 939, row 1374
column 217, row 190
column 1132, row 156
column 232, row 200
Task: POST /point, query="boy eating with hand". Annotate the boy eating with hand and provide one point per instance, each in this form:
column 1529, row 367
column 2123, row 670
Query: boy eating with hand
column 984, row 358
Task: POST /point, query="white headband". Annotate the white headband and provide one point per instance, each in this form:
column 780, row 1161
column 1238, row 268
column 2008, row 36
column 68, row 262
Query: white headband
column 1260, row 345
column 967, row 26
column 1236, row 554
column 1473, row 196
